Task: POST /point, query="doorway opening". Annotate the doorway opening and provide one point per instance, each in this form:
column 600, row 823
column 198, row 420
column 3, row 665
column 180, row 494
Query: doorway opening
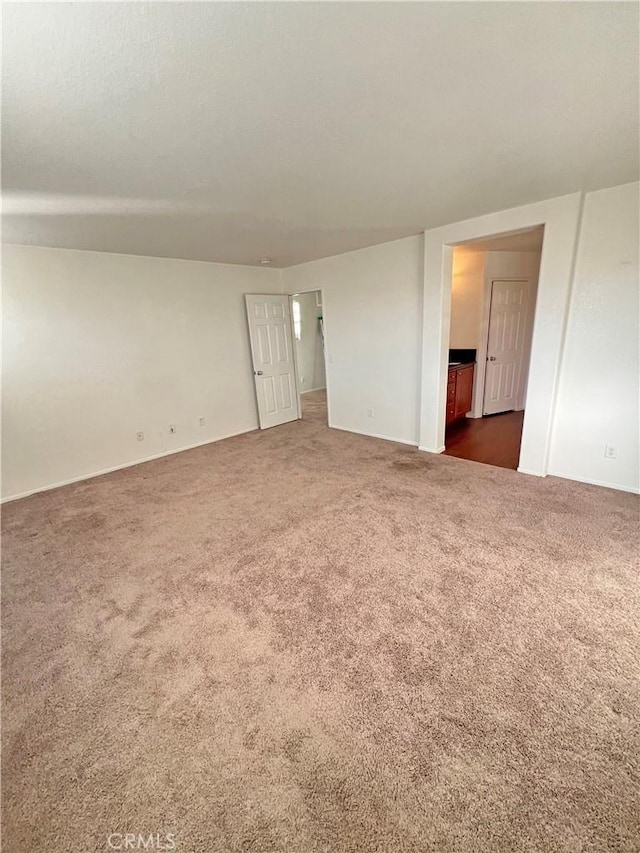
column 309, row 351
column 493, row 298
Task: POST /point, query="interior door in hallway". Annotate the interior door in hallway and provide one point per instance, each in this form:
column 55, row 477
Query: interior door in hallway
column 272, row 353
column 508, row 318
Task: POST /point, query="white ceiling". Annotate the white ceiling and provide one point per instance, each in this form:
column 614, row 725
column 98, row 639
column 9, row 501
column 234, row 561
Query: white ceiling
column 520, row 241
column 234, row 131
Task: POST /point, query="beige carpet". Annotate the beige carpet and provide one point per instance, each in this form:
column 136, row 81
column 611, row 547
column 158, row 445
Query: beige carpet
column 314, row 407
column 308, row 641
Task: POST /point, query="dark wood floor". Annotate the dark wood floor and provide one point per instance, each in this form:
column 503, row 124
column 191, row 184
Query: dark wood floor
column 494, row 440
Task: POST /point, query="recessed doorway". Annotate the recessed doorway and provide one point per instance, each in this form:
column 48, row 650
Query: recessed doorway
column 309, row 350
column 493, row 298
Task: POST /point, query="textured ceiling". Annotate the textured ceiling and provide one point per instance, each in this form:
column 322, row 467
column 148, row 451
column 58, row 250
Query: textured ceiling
column 234, row 131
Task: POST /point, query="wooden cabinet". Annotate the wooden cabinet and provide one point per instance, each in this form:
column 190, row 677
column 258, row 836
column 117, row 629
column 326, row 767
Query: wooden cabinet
column 451, row 397
column 459, row 392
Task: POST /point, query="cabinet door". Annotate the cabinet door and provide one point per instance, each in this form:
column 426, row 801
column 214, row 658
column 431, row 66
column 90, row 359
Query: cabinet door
column 451, row 398
column 464, row 391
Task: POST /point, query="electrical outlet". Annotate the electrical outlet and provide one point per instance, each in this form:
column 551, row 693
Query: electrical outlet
column 369, row 413
column 172, row 428
column 610, row 452
column 201, row 422
column 140, row 436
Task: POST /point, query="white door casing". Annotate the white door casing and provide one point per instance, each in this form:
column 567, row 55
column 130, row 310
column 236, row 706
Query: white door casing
column 508, row 319
column 273, row 361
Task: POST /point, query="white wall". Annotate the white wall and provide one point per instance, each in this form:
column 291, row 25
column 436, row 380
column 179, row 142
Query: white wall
column 373, row 339
column 99, row 346
column 372, row 310
column 467, row 298
column 512, row 265
column 471, row 280
column 309, row 349
column 598, row 398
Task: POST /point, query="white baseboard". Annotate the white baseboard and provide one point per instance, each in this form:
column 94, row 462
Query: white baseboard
column 122, row 467
column 429, row 450
column 374, row 435
column 602, row 483
column 310, row 390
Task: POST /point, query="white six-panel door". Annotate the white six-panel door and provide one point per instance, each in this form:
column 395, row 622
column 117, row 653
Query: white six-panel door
column 506, row 345
column 272, row 353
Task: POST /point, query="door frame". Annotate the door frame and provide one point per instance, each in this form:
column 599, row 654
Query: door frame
column 561, row 220
column 291, row 296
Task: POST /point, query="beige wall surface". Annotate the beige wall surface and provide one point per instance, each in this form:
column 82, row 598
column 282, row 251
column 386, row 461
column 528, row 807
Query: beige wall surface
column 98, row 347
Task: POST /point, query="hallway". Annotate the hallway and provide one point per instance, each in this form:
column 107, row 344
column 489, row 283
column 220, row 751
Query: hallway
column 314, row 407
column 494, row 440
